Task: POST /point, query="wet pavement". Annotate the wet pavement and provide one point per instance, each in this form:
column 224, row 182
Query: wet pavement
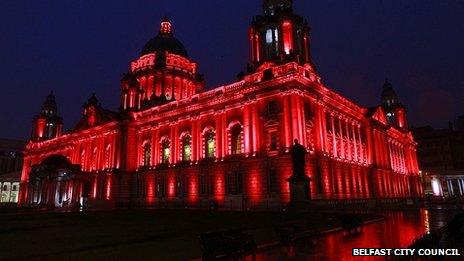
column 398, row 231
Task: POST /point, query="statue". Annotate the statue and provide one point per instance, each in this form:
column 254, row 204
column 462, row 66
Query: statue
column 298, row 152
column 299, row 182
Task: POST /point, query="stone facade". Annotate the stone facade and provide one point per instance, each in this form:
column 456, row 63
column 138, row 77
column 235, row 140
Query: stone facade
column 174, row 144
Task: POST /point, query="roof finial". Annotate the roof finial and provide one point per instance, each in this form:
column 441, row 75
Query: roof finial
column 272, row 7
column 166, row 26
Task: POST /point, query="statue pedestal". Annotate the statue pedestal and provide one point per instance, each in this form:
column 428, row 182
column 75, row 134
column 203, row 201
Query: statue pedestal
column 299, row 182
column 300, row 193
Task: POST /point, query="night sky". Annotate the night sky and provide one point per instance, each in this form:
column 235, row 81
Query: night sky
column 78, row 47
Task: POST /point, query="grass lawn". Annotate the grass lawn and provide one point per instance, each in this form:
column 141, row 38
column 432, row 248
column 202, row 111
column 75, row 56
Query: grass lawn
column 133, row 234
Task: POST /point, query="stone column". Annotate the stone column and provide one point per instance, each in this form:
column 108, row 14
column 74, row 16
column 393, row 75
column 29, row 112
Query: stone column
column 301, row 120
column 194, row 142
column 219, row 134
column 172, row 138
column 362, row 157
column 287, row 123
column 348, row 140
column 255, row 133
column 342, row 148
column 334, row 139
column 461, row 188
column 199, row 139
column 321, row 117
column 462, row 185
column 294, row 104
column 450, row 187
column 247, row 128
column 355, row 143
column 225, row 144
column 154, row 147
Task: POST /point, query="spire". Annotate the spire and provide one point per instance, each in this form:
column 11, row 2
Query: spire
column 92, row 101
column 389, row 96
column 394, row 110
column 49, row 106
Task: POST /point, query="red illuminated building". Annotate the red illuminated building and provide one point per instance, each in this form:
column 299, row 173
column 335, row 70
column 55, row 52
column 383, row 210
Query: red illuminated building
column 173, row 143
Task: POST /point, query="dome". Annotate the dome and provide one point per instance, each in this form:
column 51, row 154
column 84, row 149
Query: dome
column 165, row 41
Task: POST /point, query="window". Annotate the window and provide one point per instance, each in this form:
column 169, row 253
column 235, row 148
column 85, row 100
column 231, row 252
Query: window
column 234, row 183
column 210, row 144
column 269, row 36
column 272, row 36
column 236, row 139
column 12, row 155
column 186, row 147
column 146, row 154
column 274, row 141
column 203, row 185
column 160, row 187
column 308, row 112
column 165, row 150
column 179, row 188
column 272, row 181
column 272, row 108
column 6, row 192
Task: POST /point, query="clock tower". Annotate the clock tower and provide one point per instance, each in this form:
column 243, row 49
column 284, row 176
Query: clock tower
column 279, row 36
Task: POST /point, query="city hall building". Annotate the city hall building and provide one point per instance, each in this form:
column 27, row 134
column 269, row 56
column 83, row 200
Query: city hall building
column 174, row 144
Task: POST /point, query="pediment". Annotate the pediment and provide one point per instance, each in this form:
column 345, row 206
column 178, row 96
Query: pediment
column 378, row 114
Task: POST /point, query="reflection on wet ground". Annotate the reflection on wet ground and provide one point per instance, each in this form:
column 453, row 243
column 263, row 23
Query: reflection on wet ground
column 398, row 231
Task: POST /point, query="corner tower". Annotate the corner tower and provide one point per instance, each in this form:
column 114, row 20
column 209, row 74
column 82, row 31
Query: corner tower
column 279, row 35
column 48, row 124
column 162, row 73
column 395, row 111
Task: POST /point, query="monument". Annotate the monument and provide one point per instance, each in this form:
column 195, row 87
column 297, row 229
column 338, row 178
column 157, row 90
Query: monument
column 299, row 182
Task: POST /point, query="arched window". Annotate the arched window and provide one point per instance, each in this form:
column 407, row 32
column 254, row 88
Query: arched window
column 165, row 150
column 210, row 143
column 236, row 139
column 146, row 154
column 186, row 145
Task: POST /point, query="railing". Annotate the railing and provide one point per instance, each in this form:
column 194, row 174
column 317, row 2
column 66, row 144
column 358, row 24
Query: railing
column 242, row 203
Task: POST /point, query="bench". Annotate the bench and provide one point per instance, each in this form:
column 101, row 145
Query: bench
column 293, row 231
column 227, row 243
column 350, row 223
